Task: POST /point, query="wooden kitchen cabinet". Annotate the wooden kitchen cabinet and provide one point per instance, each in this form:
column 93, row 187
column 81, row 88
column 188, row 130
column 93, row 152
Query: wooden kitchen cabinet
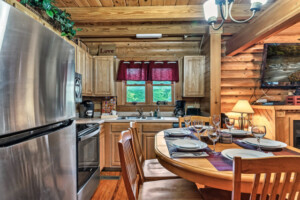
column 193, row 76
column 104, row 76
column 88, row 75
column 149, row 130
column 102, row 147
column 146, row 132
column 80, row 66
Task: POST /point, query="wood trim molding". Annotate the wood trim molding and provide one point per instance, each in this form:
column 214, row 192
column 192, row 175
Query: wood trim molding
column 215, row 71
column 280, row 15
column 146, row 13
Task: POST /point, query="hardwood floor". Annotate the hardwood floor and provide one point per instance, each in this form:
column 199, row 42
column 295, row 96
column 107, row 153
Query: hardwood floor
column 111, row 187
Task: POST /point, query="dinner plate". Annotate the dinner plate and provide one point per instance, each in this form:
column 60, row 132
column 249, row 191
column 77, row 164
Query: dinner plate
column 177, row 132
column 265, row 143
column 244, row 153
column 236, row 132
column 189, row 145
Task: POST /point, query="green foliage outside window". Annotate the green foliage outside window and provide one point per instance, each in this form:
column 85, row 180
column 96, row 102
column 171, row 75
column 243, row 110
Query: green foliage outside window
column 136, row 94
column 136, row 91
column 162, row 93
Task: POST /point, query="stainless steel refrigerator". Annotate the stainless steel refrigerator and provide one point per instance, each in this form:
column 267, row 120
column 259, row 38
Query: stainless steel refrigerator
column 37, row 131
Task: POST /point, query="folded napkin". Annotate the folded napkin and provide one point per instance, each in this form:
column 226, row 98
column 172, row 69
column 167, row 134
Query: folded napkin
column 189, row 155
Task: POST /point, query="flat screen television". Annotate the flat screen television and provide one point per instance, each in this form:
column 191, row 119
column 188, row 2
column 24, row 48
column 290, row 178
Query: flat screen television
column 281, row 66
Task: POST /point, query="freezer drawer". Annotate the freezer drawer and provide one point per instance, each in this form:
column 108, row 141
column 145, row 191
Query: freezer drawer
column 40, row 168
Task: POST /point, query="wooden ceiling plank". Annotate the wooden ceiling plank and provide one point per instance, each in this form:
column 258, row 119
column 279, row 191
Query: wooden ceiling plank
column 132, row 2
column 173, row 29
column 157, row 2
column 169, row 2
column 82, row 3
column 196, row 2
column 70, row 3
column 130, row 31
column 119, row 2
column 145, row 13
column 107, row 3
column 94, row 3
column 59, row 3
column 279, row 16
column 163, row 39
column 145, row 2
column 182, row 2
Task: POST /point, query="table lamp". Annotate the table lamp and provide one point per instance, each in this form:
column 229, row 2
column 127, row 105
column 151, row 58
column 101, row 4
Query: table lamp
column 242, row 106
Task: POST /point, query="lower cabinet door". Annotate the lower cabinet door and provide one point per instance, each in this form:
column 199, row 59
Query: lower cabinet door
column 115, row 159
column 148, row 145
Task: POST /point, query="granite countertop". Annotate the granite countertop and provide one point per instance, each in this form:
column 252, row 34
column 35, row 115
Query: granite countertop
column 100, row 121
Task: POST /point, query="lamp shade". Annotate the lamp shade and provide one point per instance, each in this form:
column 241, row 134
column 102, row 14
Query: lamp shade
column 210, row 10
column 242, row 106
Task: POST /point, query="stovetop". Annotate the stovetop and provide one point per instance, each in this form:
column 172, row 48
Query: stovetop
column 84, row 128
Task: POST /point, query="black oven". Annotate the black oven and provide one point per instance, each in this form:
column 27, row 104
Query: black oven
column 87, row 159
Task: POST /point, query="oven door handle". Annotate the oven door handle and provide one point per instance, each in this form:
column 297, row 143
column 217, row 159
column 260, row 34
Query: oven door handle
column 89, row 135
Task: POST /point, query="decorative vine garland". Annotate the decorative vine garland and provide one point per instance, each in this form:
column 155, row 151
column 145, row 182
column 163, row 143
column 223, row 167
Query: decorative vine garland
column 62, row 18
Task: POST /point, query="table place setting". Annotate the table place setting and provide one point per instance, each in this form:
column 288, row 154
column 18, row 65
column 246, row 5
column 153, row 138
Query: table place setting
column 183, row 143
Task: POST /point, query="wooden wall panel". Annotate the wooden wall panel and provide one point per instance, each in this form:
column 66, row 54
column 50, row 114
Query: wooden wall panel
column 205, row 102
column 149, row 49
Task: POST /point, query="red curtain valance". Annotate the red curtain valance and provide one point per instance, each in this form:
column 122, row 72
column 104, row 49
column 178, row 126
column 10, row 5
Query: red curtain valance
column 148, row 71
column 132, row 71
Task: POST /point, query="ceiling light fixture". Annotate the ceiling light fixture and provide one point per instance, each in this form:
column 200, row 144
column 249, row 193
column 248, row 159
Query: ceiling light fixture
column 149, row 36
column 225, row 6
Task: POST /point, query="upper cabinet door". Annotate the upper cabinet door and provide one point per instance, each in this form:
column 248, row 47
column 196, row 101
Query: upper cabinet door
column 88, row 75
column 80, row 66
column 104, row 76
column 193, row 76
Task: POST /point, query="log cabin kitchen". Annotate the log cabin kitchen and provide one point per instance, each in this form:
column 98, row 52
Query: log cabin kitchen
column 150, row 99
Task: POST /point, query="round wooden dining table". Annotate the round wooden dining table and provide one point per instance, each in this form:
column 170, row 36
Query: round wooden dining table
column 200, row 170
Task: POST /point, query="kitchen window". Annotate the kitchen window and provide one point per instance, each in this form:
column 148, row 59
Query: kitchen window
column 149, row 92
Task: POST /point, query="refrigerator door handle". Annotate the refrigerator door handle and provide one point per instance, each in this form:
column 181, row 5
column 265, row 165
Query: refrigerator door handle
column 89, row 135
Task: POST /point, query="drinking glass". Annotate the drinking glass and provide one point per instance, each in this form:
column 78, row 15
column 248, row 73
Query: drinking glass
column 198, row 126
column 229, row 123
column 216, row 120
column 187, row 121
column 259, row 132
column 214, row 135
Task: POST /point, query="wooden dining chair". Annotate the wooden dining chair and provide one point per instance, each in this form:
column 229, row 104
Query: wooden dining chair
column 150, row 169
column 174, row 189
column 206, row 120
column 275, row 177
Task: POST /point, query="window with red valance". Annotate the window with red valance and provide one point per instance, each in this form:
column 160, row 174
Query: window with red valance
column 148, row 71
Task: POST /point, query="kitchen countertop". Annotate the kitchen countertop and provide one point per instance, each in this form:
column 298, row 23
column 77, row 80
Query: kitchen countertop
column 89, row 120
column 100, row 121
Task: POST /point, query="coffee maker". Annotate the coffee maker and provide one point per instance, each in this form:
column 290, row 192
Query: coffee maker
column 86, row 109
column 179, row 110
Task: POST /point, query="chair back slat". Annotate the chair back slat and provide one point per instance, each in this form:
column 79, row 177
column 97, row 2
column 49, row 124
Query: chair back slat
column 128, row 165
column 137, row 149
column 255, row 187
column 275, row 188
column 286, row 183
column 204, row 119
column 266, row 185
column 275, row 178
column 296, row 185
